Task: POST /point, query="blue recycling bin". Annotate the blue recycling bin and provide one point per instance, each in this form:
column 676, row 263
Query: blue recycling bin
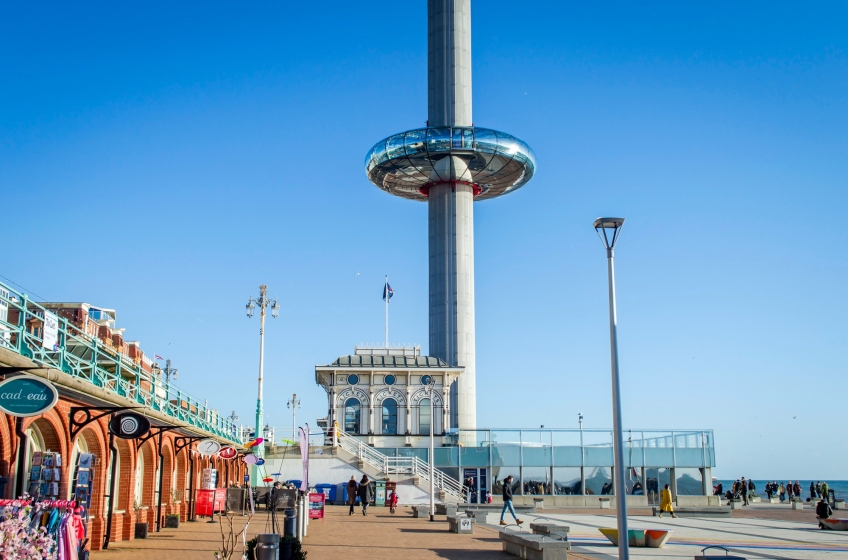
column 345, row 495
column 329, row 491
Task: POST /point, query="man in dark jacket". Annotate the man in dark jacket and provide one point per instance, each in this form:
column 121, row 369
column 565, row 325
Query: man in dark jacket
column 507, row 500
column 823, row 511
column 365, row 493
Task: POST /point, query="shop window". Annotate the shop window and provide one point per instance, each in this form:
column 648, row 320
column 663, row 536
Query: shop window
column 690, row 482
column 599, row 481
column 568, row 481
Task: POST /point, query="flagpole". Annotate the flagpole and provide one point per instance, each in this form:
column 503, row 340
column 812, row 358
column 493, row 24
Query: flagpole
column 386, row 297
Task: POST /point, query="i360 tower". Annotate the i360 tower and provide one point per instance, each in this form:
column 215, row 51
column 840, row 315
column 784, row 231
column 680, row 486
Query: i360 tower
column 449, row 165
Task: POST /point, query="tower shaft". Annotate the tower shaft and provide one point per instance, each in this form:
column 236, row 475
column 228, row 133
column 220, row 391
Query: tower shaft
column 451, row 212
column 449, row 62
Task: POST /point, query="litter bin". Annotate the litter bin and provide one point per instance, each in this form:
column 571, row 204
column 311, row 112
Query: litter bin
column 380, row 494
column 329, row 491
column 290, row 523
column 346, row 498
column 268, row 547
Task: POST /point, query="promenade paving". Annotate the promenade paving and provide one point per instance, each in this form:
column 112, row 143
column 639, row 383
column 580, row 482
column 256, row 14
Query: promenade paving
column 382, row 535
column 753, row 537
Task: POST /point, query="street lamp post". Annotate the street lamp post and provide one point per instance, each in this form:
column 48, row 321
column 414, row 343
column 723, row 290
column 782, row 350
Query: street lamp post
column 608, row 229
column 263, row 302
column 294, row 404
column 430, row 384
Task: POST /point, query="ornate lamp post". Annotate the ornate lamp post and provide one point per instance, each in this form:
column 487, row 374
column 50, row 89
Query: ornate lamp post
column 608, row 230
column 263, row 302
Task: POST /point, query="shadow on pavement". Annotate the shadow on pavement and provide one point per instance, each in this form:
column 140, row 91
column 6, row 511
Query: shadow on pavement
column 460, row 554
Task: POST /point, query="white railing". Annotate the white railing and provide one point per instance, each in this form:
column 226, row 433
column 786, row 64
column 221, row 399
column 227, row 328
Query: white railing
column 410, row 466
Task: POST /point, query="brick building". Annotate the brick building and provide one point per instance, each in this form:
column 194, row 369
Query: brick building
column 91, row 365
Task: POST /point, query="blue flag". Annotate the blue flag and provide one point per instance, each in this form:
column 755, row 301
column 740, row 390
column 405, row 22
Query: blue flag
column 388, row 292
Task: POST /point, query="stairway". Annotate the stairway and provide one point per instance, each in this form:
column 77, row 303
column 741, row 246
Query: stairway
column 375, row 464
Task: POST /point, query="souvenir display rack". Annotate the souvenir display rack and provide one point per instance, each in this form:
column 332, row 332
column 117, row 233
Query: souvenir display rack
column 45, row 476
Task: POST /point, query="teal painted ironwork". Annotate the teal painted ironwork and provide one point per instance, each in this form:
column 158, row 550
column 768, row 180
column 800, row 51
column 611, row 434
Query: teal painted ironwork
column 86, row 357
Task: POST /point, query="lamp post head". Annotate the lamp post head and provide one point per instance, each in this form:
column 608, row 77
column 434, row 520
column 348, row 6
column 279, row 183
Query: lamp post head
column 275, row 310
column 250, row 307
column 608, row 230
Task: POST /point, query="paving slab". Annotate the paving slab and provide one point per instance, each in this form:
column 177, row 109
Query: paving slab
column 752, row 537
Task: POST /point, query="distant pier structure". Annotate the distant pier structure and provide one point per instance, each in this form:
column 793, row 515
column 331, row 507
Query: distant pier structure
column 450, row 164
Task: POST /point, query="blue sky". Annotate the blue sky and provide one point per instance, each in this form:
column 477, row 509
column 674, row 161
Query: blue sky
column 165, row 160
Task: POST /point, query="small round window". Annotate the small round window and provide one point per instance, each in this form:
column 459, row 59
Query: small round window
column 353, row 379
column 390, row 380
column 426, row 380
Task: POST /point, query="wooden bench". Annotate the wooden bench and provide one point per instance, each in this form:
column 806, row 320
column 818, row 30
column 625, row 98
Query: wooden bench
column 534, row 547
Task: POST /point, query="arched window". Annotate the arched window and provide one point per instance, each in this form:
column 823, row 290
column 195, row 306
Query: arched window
column 424, row 417
column 390, row 417
column 351, row 420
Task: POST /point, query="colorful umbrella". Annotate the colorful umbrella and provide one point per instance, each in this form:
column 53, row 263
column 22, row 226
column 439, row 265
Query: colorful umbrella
column 254, row 442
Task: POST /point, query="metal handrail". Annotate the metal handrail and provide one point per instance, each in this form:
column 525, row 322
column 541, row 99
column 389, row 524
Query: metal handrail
column 86, row 357
column 412, row 466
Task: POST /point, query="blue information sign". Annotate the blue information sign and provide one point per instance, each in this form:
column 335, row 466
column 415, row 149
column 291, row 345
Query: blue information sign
column 27, row 395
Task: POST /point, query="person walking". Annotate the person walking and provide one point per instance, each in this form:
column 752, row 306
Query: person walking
column 825, row 489
column 743, row 489
column 796, row 489
column 781, row 491
column 666, row 505
column 351, row 493
column 818, row 489
column 812, row 490
column 769, row 490
column 790, row 491
column 507, row 500
column 365, row 493
column 752, row 489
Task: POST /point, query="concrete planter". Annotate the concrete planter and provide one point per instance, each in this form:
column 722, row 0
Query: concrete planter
column 141, row 530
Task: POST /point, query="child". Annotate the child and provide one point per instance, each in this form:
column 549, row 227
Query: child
column 393, row 502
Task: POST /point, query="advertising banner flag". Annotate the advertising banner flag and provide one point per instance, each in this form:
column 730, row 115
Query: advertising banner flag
column 304, row 456
column 50, row 337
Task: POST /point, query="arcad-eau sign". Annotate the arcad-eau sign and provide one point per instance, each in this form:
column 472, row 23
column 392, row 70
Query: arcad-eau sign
column 27, row 395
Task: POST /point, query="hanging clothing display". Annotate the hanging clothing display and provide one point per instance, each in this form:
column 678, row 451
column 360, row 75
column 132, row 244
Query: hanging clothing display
column 61, row 520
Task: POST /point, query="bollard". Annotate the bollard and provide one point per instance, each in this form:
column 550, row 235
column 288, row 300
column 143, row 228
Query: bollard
column 267, row 547
column 299, row 519
column 305, row 514
column 290, row 523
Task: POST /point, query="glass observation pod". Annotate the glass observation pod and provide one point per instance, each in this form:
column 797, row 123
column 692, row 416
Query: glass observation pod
column 407, row 164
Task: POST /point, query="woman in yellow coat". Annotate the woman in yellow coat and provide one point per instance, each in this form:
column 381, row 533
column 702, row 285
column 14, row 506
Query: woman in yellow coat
column 665, row 502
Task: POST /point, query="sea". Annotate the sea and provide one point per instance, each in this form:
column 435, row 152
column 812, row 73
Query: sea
column 839, row 487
